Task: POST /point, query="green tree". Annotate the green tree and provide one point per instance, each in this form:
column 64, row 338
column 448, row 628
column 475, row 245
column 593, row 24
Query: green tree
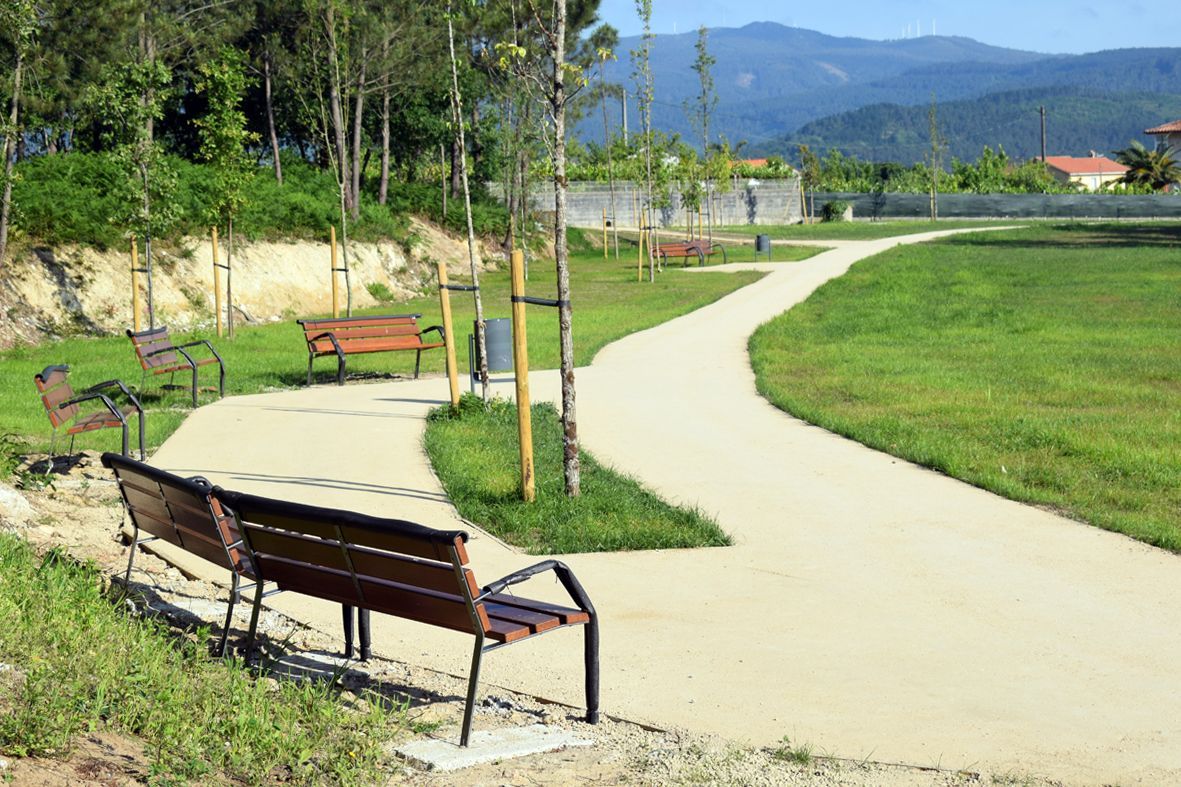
column 18, row 23
column 707, row 101
column 224, row 140
column 1156, row 168
column 645, row 89
column 124, row 104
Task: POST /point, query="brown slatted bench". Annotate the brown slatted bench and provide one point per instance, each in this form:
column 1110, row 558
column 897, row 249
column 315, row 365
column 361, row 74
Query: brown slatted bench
column 158, row 355
column 690, row 249
column 62, row 407
column 346, row 336
column 407, row 570
column 184, row 512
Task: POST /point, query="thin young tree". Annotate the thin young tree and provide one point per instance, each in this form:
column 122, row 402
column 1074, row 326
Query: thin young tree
column 224, row 140
column 457, row 120
column 605, row 39
column 645, row 90
column 125, row 102
column 707, row 101
column 934, row 157
column 18, row 23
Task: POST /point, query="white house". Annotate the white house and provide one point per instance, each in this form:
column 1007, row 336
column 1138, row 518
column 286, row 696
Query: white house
column 1092, row 172
column 1167, row 134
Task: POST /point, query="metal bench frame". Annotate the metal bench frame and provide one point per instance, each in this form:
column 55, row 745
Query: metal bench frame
column 340, row 343
column 275, row 522
column 689, row 248
column 163, row 359
column 214, row 531
column 52, row 379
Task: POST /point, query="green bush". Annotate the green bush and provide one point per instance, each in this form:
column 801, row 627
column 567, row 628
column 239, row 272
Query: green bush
column 69, row 198
column 834, row 210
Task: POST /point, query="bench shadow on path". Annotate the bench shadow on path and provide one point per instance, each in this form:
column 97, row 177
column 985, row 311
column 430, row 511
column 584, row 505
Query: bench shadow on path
column 322, row 483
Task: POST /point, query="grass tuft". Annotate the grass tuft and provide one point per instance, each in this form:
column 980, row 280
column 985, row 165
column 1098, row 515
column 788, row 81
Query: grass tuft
column 84, row 665
column 475, row 453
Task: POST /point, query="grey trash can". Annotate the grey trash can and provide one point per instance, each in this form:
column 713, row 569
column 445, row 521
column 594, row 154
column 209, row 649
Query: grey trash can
column 763, row 245
column 498, row 337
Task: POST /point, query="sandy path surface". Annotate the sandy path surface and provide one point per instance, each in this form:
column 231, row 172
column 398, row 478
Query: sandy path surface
column 869, row 607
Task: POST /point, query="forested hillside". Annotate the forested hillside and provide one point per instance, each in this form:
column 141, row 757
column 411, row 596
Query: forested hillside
column 1078, row 121
column 160, row 116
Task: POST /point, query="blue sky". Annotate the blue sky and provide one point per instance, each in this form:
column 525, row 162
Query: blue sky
column 1041, row 25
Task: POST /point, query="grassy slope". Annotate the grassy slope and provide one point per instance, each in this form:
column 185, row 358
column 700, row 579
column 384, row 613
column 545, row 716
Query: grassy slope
column 1041, row 364
column 608, row 304
column 199, row 718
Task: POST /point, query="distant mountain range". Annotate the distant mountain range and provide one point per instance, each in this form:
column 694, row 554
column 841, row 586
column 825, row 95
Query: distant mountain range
column 778, row 86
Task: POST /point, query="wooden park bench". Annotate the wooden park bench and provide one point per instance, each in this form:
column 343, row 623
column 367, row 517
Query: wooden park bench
column 158, row 355
column 184, row 512
column 344, row 336
column 407, row 570
column 686, row 250
column 63, row 407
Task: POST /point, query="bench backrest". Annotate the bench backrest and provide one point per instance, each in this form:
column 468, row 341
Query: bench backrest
column 182, row 511
column 395, row 330
column 151, row 341
column 385, row 565
column 54, row 388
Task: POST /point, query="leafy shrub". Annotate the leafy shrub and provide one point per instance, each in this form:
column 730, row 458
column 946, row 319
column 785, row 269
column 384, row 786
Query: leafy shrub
column 834, row 210
column 380, row 292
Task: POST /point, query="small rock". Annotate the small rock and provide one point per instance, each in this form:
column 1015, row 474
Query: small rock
column 14, row 508
column 3, row 765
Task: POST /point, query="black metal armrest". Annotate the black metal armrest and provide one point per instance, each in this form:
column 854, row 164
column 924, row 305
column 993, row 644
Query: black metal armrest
column 91, row 396
column 563, row 572
column 168, row 349
column 117, row 384
column 330, row 336
column 199, row 343
column 437, row 328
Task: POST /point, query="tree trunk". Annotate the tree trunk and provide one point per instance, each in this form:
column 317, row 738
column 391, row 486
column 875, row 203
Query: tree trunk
column 610, row 165
column 266, row 81
column 336, row 110
column 230, row 276
column 570, row 459
column 456, row 185
column 9, row 163
column 384, row 187
column 457, row 116
column 358, row 107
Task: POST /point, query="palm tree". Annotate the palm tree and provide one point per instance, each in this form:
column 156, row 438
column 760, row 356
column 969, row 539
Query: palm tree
column 1154, row 168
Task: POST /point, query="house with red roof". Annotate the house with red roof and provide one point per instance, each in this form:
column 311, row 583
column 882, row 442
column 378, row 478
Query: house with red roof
column 1167, row 134
column 1091, row 172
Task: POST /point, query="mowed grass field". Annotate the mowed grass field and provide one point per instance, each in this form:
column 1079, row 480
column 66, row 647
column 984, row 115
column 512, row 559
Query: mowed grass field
column 858, row 230
column 1043, row 364
column 608, row 303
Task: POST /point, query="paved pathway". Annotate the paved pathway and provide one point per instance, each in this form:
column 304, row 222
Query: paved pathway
column 869, row 607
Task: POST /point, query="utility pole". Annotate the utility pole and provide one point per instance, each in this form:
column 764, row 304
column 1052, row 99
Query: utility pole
column 1043, row 111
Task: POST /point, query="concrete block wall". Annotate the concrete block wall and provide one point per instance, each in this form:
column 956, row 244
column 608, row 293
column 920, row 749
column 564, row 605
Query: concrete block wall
column 749, row 202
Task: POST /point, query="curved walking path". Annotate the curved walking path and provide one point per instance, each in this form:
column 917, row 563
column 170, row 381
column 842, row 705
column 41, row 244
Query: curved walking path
column 869, row 607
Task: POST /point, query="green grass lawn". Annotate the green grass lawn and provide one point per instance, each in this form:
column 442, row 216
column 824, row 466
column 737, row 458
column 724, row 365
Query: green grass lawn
column 87, row 666
column 1043, row 364
column 858, row 230
column 475, row 453
column 608, row 304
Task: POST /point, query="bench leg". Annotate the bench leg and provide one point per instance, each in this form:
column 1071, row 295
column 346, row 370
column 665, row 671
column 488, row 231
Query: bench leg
column 221, row 380
column 363, row 633
column 142, row 455
column 194, row 385
column 417, row 361
column 253, row 620
column 125, row 446
column 225, row 630
column 309, row 369
column 131, row 555
column 591, row 653
column 340, row 369
column 473, row 680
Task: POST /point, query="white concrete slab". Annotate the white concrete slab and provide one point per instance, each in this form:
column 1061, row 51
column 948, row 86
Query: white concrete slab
column 488, row 746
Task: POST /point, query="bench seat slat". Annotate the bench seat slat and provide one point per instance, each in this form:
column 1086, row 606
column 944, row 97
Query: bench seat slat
column 536, row 622
column 566, row 615
column 353, row 322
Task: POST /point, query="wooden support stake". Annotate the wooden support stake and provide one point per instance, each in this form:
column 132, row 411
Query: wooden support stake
column 134, row 284
column 335, row 296
column 604, row 233
column 700, row 235
column 521, row 372
column 640, row 257
column 216, row 282
column 448, row 335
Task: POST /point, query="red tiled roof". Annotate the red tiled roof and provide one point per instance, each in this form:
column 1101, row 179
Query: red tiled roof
column 1166, row 128
column 755, row 162
column 1090, row 165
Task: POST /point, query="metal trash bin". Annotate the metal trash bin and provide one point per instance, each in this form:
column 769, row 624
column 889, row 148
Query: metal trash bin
column 498, row 337
column 763, row 246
